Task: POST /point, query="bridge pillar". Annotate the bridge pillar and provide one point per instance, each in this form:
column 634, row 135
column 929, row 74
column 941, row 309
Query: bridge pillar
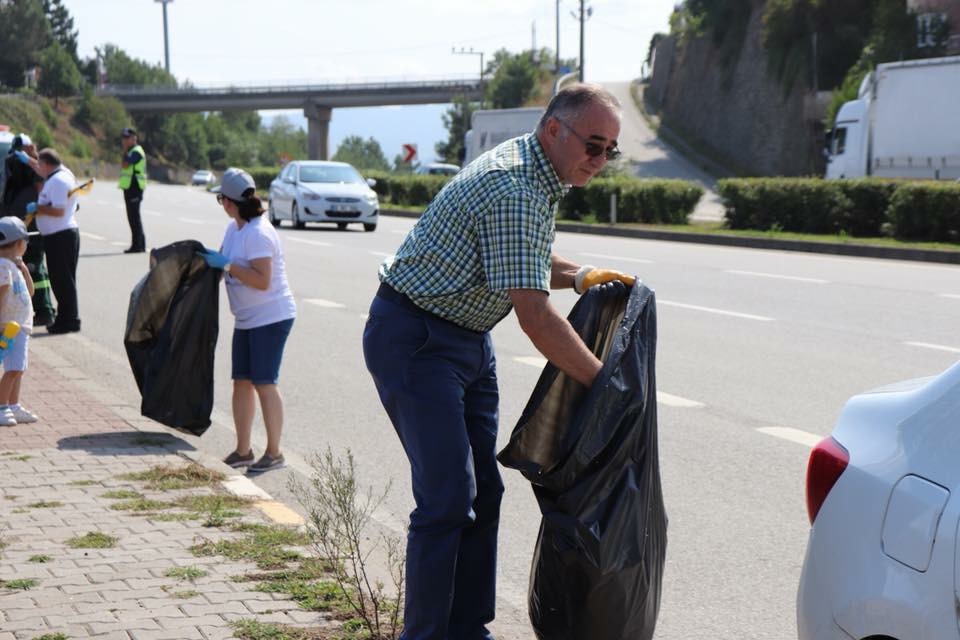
column 318, row 130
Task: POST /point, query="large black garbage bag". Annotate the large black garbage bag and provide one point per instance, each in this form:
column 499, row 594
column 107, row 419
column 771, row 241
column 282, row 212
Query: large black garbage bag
column 592, row 459
column 171, row 336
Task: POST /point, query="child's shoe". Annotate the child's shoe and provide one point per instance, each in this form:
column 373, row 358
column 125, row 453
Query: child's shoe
column 23, row 416
column 7, row 419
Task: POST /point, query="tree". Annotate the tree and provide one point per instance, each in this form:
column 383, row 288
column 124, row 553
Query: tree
column 124, row 70
column 362, row 154
column 457, row 122
column 515, row 79
column 61, row 27
column 59, row 75
column 24, row 34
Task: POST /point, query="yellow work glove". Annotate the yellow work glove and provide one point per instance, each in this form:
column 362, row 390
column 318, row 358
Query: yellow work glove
column 589, row 275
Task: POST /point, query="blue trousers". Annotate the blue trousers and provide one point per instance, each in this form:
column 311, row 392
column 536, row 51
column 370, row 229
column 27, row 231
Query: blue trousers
column 438, row 383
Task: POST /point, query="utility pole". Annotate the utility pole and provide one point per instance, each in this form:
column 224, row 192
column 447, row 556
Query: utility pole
column 166, row 38
column 471, row 52
column 584, row 14
column 556, row 64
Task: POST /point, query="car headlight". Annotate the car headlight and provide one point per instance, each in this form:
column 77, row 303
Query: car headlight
column 372, row 197
column 309, row 195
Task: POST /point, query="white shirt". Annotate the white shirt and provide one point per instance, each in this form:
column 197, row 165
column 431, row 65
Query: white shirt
column 15, row 304
column 54, row 194
column 253, row 307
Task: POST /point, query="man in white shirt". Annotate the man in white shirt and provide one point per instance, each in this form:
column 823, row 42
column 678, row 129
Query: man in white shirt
column 55, row 211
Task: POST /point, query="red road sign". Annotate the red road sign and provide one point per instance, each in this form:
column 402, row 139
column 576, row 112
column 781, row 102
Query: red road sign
column 409, row 152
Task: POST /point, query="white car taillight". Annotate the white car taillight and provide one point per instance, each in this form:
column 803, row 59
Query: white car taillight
column 828, row 460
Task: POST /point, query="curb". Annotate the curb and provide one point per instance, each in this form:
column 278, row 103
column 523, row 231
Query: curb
column 854, row 250
column 236, row 484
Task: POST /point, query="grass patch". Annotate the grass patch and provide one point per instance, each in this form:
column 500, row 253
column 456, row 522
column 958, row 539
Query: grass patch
column 53, row 636
column 169, row 477
column 93, row 540
column 216, row 503
column 248, row 629
column 140, row 505
column 306, row 585
column 185, row 595
column 185, row 573
column 44, row 504
column 22, row 458
column 10, row 497
column 40, row 558
column 21, row 510
column 83, row 483
column 122, row 494
column 177, row 516
column 262, row 544
column 21, row 583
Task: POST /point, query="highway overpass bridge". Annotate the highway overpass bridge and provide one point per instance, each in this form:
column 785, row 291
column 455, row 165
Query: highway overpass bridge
column 317, row 100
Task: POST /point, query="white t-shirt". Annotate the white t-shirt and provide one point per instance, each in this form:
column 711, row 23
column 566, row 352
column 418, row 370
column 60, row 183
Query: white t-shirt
column 54, row 194
column 253, row 307
column 16, row 303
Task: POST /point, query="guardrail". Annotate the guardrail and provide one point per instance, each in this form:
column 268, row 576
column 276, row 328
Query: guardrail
column 309, row 87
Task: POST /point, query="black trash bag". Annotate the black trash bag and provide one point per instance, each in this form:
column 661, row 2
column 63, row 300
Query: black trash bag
column 591, row 456
column 171, row 336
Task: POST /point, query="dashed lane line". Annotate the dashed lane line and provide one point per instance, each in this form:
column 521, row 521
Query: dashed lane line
column 666, row 399
column 955, row 296
column 722, row 312
column 621, row 258
column 316, row 243
column 193, row 221
column 935, row 347
column 326, row 304
column 792, row 435
column 777, row 276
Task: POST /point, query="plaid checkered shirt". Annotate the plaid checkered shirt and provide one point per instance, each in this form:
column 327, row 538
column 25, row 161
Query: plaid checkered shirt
column 489, row 230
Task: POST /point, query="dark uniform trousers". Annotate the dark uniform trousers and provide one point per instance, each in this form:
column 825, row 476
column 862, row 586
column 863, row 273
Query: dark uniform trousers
column 63, row 250
column 132, row 198
column 438, row 383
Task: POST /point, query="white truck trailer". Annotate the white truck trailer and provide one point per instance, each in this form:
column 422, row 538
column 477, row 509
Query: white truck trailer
column 490, row 127
column 905, row 123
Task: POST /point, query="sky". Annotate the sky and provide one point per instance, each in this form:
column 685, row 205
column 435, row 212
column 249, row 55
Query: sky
column 317, row 41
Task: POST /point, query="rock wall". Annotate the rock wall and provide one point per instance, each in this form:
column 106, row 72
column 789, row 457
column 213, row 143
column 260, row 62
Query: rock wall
column 741, row 115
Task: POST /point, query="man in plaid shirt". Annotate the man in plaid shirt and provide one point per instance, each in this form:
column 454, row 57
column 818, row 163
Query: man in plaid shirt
column 482, row 247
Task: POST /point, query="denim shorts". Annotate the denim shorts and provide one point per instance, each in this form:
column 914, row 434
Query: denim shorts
column 257, row 352
column 16, row 358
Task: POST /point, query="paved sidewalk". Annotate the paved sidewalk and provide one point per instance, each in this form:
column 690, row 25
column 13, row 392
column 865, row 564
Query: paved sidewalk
column 54, row 477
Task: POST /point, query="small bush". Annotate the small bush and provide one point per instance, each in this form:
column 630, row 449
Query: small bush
column 926, row 211
column 638, row 200
column 79, row 148
column 48, row 113
column 42, row 137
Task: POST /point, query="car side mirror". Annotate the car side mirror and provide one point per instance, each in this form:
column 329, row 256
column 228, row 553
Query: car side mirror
column 289, row 180
column 371, row 183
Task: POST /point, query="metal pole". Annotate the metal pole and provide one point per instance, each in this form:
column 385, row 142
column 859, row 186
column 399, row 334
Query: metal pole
column 556, row 64
column 166, row 39
column 481, row 80
column 581, row 39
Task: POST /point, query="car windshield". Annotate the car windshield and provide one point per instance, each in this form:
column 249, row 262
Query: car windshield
column 330, row 173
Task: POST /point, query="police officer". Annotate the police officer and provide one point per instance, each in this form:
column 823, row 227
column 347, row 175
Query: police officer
column 20, row 188
column 133, row 181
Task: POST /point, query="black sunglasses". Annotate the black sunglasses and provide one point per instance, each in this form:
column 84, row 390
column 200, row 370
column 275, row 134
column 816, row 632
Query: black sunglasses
column 221, row 197
column 594, row 149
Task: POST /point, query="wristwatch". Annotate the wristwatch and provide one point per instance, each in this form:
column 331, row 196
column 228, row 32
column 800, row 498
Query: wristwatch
column 226, row 268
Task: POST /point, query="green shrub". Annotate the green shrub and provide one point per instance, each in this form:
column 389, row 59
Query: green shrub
column 42, row 137
column 806, row 205
column 263, row 176
column 638, row 200
column 869, row 199
column 79, row 148
column 925, row 211
column 48, row 113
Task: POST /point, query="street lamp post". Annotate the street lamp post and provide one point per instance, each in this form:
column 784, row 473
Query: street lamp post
column 582, row 17
column 471, row 52
column 166, row 38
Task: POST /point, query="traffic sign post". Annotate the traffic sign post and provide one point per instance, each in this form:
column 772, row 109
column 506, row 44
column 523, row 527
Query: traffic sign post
column 409, row 153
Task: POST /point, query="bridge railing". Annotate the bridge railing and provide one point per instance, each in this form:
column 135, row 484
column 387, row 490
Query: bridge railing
column 465, row 82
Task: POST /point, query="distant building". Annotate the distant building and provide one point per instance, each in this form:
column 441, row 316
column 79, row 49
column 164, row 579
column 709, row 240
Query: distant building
column 930, row 15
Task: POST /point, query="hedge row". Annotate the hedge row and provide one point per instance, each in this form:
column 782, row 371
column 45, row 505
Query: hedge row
column 638, row 200
column 869, row 207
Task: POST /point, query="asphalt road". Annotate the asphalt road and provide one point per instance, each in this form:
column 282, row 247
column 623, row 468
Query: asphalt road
column 758, row 351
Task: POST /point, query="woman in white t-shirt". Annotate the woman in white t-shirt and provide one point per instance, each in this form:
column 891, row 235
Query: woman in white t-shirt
column 261, row 301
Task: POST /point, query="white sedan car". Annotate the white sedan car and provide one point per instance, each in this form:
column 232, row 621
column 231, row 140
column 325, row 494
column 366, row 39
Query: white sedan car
column 882, row 561
column 320, row 191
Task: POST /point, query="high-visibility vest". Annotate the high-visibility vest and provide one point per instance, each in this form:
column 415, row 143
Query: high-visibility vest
column 139, row 169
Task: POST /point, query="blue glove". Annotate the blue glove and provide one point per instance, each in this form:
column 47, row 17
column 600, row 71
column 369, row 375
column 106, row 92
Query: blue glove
column 22, row 157
column 214, row 259
column 31, row 207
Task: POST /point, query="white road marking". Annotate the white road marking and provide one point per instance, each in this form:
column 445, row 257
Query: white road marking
column 667, row 399
column 399, row 231
column 621, row 258
column 936, row 347
column 722, row 312
column 955, row 296
column 793, row 435
column 316, row 243
column 92, row 236
column 152, row 213
column 676, row 401
column 327, row 304
column 380, row 253
column 193, row 221
column 117, row 243
column 759, row 274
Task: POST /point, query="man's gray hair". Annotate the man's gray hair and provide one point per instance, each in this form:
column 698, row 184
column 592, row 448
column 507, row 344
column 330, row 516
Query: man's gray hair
column 571, row 101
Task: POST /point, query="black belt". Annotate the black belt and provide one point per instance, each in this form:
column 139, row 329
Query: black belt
column 389, row 293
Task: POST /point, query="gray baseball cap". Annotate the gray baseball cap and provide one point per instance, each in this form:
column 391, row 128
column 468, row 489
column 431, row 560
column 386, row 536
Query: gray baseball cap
column 11, row 230
column 234, row 183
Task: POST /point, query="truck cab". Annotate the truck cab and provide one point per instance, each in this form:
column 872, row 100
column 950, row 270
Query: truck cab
column 847, row 143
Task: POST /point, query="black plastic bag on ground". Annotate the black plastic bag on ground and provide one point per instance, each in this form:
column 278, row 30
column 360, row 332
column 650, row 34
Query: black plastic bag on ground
column 591, row 456
column 171, row 336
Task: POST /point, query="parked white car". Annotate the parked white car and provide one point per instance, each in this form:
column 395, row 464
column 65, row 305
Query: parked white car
column 437, row 169
column 882, row 560
column 321, row 191
column 203, row 177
